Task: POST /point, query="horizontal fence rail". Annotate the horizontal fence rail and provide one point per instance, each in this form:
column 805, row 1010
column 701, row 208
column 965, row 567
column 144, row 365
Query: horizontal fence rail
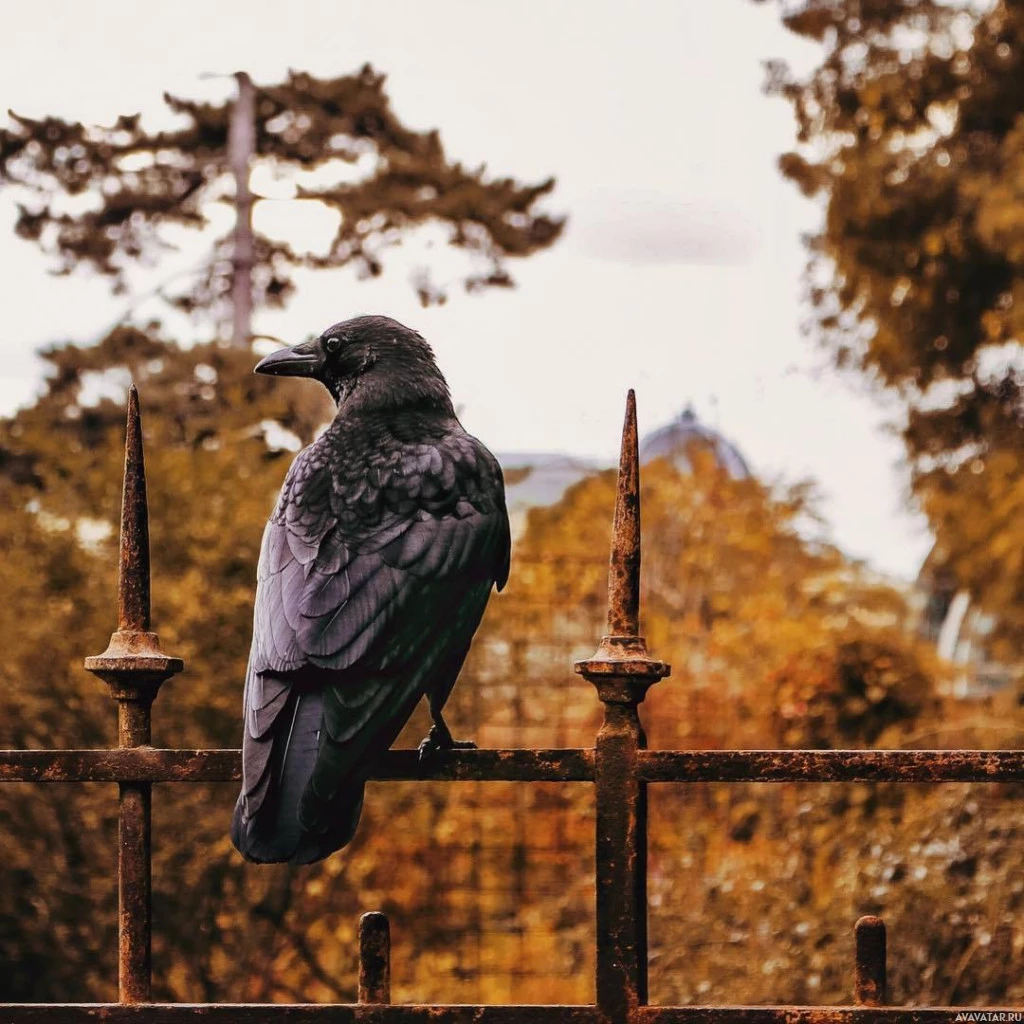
column 152, row 765
column 295, row 1013
column 831, row 766
column 148, row 764
column 819, row 1014
column 355, row 1013
column 619, row 766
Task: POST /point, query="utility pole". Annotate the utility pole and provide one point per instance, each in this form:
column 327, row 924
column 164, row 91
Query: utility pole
column 241, row 149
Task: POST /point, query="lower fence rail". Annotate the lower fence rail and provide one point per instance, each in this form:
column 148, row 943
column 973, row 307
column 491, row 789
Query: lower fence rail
column 365, row 1013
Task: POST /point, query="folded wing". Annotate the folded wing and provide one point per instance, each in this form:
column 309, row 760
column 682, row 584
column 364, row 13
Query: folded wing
column 368, row 595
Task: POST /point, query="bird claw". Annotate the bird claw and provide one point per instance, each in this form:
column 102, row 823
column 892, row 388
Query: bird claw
column 437, row 739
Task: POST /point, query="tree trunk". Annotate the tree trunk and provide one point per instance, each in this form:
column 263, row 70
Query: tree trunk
column 241, row 146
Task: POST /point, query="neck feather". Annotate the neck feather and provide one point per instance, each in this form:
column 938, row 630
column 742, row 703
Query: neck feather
column 385, row 387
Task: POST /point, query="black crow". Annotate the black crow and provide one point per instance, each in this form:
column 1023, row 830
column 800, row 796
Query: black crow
column 375, row 570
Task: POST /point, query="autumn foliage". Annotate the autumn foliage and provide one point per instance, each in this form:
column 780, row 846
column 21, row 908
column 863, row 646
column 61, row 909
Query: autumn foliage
column 910, row 130
column 774, row 640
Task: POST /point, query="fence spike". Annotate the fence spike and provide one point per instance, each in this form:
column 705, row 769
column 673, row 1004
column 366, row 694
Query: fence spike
column 624, row 565
column 621, row 662
column 869, row 969
column 622, row 671
column 133, row 591
column 134, row 667
column 374, row 958
column 133, row 663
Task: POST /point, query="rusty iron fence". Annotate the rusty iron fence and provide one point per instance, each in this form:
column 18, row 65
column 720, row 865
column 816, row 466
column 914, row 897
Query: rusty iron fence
column 619, row 766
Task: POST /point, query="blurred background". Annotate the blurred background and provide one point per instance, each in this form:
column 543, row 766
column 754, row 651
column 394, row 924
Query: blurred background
column 795, row 227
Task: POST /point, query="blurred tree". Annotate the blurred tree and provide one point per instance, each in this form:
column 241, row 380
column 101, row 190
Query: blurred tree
column 55, row 593
column 106, row 196
column 212, row 475
column 911, row 130
column 808, row 649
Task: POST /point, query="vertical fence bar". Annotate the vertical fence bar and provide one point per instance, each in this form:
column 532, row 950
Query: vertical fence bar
column 134, row 667
column 374, row 958
column 869, row 965
column 622, row 672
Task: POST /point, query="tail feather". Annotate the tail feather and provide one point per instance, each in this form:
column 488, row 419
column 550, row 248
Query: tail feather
column 273, row 832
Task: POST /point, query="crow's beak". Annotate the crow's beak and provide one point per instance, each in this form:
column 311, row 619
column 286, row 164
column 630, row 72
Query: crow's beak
column 299, row 361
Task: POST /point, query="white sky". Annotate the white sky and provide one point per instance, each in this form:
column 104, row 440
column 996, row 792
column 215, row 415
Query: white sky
column 679, row 275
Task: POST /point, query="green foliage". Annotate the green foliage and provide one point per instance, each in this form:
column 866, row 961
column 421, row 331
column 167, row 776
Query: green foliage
column 911, row 129
column 388, row 179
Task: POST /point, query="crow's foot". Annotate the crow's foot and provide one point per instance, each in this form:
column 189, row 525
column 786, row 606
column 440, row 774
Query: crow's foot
column 439, row 738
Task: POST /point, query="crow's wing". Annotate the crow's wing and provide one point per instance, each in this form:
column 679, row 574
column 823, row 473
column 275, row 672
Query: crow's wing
column 370, row 587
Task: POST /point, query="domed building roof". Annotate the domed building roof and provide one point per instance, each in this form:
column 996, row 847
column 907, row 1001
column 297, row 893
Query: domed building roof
column 673, row 441
column 536, row 479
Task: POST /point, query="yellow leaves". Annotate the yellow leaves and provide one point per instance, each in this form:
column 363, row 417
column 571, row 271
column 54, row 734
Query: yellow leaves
column 979, row 519
column 934, row 242
column 919, row 264
column 992, row 323
column 872, row 94
column 734, row 600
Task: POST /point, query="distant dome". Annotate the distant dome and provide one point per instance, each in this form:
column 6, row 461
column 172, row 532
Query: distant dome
column 674, row 439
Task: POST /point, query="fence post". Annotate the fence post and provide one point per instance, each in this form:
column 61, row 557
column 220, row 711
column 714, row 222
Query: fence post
column 869, row 964
column 134, row 667
column 374, row 958
column 622, row 671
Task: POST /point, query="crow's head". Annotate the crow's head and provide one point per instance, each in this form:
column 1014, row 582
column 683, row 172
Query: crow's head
column 369, row 361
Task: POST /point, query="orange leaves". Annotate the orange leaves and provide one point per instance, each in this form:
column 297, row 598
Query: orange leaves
column 767, row 623
column 918, row 269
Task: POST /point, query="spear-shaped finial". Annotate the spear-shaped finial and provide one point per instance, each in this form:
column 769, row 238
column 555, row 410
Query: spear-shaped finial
column 621, row 668
column 622, row 672
column 133, row 663
column 624, row 566
column 134, row 576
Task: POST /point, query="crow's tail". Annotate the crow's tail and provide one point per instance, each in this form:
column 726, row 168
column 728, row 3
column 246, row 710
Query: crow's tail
column 265, row 826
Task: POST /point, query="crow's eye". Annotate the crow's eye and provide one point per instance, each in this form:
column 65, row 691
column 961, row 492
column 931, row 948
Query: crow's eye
column 332, row 344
